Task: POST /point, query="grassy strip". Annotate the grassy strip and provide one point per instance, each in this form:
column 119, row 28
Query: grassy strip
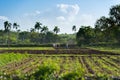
column 110, row 49
column 11, row 57
column 69, row 55
column 27, row 48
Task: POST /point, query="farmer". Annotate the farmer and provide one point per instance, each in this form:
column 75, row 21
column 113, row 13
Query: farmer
column 67, row 45
column 54, row 45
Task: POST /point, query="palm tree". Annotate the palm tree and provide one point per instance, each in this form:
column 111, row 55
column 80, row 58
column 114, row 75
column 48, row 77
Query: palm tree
column 74, row 28
column 15, row 26
column 38, row 26
column 32, row 30
column 56, row 29
column 44, row 29
column 7, row 27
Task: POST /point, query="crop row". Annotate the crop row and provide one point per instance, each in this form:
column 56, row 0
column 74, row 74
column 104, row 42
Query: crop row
column 80, row 66
column 11, row 57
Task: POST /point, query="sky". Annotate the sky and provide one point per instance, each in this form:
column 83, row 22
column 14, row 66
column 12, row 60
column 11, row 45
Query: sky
column 61, row 13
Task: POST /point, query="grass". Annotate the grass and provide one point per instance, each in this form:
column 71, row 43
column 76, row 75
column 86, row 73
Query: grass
column 27, row 48
column 69, row 55
column 11, row 57
column 110, row 49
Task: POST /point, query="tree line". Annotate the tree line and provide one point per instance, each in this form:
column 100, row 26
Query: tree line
column 39, row 34
column 106, row 30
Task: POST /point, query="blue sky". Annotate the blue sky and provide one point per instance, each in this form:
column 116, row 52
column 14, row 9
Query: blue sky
column 63, row 13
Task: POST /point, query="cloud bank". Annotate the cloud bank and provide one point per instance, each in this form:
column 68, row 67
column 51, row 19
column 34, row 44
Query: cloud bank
column 4, row 18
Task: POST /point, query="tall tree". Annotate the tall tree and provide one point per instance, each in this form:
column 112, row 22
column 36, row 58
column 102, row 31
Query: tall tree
column 102, row 23
column 102, row 27
column 32, row 30
column 115, row 14
column 85, row 35
column 74, row 28
column 7, row 27
column 44, row 29
column 15, row 26
column 38, row 26
column 56, row 29
column 115, row 17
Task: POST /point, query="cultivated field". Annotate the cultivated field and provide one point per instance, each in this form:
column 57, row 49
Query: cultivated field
column 110, row 49
column 27, row 48
column 82, row 65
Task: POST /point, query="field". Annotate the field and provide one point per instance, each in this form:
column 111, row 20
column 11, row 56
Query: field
column 27, row 48
column 82, row 65
column 9, row 58
column 110, row 49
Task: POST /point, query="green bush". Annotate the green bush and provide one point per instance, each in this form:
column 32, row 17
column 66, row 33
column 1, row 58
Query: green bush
column 73, row 76
column 27, row 45
column 46, row 72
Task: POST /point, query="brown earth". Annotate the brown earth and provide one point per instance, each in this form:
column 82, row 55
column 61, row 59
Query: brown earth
column 61, row 51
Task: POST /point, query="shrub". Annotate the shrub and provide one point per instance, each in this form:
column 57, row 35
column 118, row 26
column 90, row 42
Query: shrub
column 46, row 72
column 73, row 76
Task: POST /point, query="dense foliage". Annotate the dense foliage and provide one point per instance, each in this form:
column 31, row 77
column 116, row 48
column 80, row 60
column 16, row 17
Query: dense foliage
column 34, row 38
column 106, row 30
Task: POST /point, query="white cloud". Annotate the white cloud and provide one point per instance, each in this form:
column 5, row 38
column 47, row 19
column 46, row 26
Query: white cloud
column 69, row 11
column 75, row 9
column 37, row 12
column 60, row 18
column 4, row 18
column 63, row 7
column 71, row 16
column 79, row 20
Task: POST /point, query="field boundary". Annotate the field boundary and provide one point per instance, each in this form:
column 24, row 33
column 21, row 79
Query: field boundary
column 61, row 51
